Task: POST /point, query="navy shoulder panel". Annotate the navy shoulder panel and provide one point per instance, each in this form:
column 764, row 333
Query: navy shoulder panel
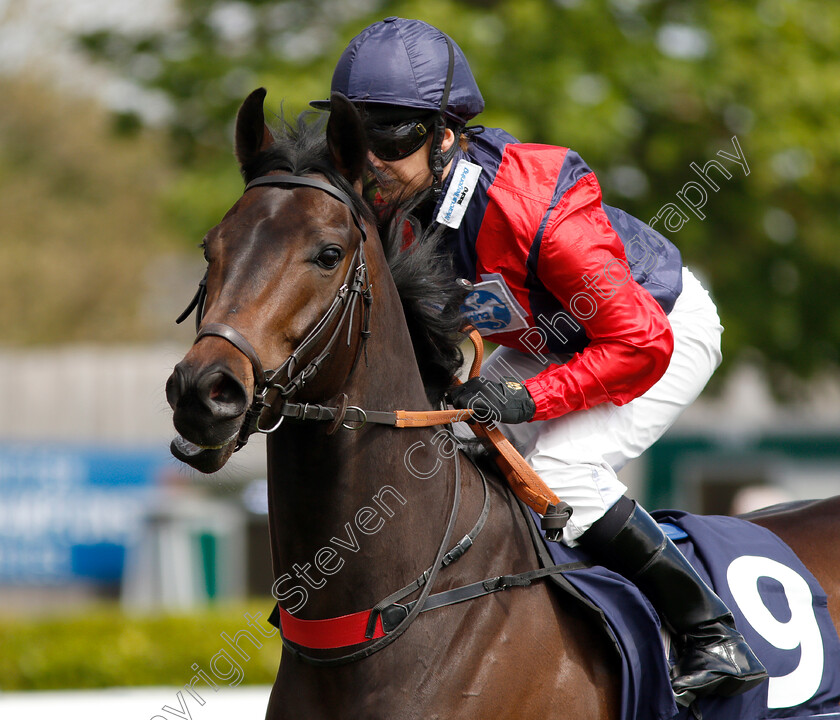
column 654, row 260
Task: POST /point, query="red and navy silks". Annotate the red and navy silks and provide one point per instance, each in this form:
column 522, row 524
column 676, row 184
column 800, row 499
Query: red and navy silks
column 536, row 222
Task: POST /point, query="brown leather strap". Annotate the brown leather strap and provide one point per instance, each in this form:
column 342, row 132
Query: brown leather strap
column 235, row 338
column 408, row 418
column 340, row 412
column 426, row 418
column 478, row 344
column 524, row 482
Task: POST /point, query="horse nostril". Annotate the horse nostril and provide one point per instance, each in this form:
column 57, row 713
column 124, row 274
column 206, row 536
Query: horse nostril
column 175, row 387
column 224, row 393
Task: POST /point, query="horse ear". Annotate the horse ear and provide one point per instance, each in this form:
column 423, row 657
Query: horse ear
column 252, row 134
column 346, row 138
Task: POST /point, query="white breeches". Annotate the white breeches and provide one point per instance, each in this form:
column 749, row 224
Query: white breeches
column 578, row 455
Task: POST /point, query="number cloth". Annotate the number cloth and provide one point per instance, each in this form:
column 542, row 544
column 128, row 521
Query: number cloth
column 780, row 609
column 778, row 606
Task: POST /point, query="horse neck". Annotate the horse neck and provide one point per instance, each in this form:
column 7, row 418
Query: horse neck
column 354, row 493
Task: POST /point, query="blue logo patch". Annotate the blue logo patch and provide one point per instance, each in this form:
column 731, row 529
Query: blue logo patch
column 486, row 311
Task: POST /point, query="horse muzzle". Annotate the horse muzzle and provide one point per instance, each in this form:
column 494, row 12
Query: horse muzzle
column 209, row 405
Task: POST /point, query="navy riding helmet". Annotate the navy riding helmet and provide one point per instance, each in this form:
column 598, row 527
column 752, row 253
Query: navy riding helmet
column 409, row 64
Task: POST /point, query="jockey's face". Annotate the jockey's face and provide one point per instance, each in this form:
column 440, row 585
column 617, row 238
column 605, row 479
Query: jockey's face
column 411, row 174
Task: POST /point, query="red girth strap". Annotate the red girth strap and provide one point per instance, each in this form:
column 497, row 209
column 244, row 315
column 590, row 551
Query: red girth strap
column 334, row 632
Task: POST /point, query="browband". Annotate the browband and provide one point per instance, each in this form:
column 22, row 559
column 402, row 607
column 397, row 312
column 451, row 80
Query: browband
column 337, row 193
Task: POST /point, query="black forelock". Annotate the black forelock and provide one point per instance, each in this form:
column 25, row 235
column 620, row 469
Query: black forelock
column 300, row 148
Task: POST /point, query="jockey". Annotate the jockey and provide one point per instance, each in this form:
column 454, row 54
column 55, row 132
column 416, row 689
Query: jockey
column 604, row 337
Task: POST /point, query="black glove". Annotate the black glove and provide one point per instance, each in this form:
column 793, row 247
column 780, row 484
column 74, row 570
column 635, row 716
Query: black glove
column 507, row 401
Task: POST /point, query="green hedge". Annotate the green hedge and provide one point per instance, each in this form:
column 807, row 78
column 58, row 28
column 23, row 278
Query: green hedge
column 104, row 647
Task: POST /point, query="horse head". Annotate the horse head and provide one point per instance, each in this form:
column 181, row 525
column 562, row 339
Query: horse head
column 286, row 283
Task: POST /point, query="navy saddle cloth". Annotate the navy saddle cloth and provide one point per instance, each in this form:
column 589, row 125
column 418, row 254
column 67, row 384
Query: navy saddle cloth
column 778, row 606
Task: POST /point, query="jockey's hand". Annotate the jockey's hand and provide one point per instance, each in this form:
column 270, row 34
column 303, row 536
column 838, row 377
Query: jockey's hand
column 507, row 401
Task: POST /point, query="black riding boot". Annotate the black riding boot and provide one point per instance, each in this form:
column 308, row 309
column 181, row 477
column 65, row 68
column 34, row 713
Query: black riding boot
column 712, row 656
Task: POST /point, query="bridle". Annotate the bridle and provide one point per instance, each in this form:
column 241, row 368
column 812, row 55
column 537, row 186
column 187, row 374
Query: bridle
column 287, row 380
column 392, row 616
column 290, row 377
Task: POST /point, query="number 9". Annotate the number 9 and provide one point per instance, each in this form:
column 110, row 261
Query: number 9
column 802, row 630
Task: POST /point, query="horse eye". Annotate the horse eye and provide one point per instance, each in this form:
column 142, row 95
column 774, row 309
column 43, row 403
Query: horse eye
column 329, row 258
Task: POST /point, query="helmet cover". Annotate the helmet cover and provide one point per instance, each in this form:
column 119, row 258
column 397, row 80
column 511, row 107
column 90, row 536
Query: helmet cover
column 405, row 63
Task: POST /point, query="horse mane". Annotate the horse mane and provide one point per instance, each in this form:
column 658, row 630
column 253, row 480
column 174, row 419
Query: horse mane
column 422, row 272
column 431, row 301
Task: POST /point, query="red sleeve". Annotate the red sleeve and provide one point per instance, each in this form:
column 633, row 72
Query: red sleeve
column 582, row 262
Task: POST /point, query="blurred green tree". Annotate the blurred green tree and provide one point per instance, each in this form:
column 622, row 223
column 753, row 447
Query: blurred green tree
column 81, row 223
column 641, row 88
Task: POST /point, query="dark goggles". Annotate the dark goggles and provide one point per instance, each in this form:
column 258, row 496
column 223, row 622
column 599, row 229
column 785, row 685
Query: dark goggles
column 395, row 142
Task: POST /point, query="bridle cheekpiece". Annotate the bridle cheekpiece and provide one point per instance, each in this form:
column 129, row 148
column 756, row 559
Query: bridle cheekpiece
column 291, row 377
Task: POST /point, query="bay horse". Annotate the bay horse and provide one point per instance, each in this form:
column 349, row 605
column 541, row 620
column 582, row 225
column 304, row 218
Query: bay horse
column 301, row 309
